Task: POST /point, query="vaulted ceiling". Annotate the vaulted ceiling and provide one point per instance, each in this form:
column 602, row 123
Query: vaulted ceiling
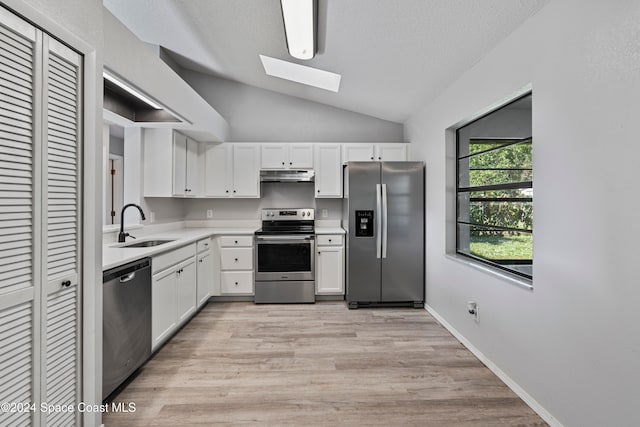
column 393, row 55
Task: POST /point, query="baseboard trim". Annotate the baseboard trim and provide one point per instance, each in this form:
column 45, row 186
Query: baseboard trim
column 515, row 387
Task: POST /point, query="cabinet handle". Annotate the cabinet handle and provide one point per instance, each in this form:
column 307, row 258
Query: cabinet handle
column 236, row 259
column 329, row 239
column 200, row 261
column 66, row 283
column 283, row 163
column 379, row 158
column 318, row 191
column 234, row 191
column 318, row 252
column 236, row 283
column 236, row 242
column 226, row 191
column 290, row 163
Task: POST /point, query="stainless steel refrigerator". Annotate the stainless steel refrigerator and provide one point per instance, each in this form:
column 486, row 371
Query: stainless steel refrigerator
column 383, row 214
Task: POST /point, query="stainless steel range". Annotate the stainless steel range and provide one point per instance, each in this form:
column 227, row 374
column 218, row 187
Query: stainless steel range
column 284, row 257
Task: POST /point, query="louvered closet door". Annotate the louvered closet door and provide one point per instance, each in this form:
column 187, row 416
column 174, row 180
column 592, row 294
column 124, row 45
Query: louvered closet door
column 19, row 228
column 61, row 342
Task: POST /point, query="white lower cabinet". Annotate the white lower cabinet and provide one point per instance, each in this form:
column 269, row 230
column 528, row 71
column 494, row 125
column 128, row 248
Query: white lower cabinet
column 329, row 265
column 236, row 265
column 236, row 282
column 163, row 306
column 186, row 289
column 173, row 292
column 205, row 277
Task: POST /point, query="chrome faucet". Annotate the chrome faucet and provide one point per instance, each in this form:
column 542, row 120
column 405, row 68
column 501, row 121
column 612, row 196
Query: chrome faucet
column 122, row 236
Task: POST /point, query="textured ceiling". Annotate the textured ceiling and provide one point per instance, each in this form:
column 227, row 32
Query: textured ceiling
column 393, row 55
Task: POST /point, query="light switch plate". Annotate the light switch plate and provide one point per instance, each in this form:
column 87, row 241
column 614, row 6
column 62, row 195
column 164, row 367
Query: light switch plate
column 325, row 213
column 209, row 213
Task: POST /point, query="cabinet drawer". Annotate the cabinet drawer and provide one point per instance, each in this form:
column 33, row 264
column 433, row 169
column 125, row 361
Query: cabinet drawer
column 236, row 258
column 329, row 239
column 231, row 241
column 167, row 259
column 236, row 282
column 204, row 244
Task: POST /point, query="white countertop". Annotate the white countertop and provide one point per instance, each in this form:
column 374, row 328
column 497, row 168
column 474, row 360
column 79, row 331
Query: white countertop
column 329, row 230
column 114, row 254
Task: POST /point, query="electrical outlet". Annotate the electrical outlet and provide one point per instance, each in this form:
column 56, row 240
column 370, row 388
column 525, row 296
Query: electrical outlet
column 152, row 216
column 325, row 213
column 209, row 213
column 472, row 308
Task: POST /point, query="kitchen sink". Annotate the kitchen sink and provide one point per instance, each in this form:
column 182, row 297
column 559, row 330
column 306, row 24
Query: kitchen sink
column 146, row 243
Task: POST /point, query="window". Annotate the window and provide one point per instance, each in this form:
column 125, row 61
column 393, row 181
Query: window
column 494, row 209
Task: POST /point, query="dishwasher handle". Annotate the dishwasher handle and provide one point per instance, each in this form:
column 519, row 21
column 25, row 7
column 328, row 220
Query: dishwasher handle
column 128, row 277
column 122, row 273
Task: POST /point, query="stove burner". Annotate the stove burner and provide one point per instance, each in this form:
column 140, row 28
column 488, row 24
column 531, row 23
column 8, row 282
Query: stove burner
column 287, row 221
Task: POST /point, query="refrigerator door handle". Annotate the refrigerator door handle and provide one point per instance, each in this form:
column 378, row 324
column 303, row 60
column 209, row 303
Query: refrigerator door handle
column 378, row 215
column 384, row 220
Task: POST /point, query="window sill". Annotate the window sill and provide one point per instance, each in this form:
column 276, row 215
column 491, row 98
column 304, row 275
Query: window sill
column 514, row 280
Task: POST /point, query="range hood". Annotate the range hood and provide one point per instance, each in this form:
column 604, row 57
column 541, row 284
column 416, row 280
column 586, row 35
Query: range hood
column 287, row 175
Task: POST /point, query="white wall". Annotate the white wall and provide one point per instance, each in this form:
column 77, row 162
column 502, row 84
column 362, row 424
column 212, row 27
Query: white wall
column 131, row 59
column 573, row 343
column 260, row 115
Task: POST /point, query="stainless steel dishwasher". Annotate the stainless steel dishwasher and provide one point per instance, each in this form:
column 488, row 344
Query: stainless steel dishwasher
column 126, row 324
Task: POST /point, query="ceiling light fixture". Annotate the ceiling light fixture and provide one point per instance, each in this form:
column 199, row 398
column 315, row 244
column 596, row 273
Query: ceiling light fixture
column 301, row 73
column 300, row 27
column 124, row 86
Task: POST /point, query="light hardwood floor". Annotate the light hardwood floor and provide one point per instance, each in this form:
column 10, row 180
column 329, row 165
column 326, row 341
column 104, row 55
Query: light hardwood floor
column 321, row 364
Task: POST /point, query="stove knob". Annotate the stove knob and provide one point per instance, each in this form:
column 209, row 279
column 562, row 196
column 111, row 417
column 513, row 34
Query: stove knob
column 303, row 213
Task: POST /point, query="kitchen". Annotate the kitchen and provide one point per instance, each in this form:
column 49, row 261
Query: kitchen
column 549, row 361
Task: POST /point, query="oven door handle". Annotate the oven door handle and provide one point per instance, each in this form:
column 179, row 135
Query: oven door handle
column 285, row 238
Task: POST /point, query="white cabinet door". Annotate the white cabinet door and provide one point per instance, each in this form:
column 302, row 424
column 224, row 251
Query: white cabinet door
column 328, row 168
column 246, row 170
column 274, row 156
column 61, row 202
column 205, row 277
column 300, row 156
column 158, row 162
column 330, row 270
column 186, row 289
column 163, row 306
column 193, row 168
column 179, row 164
column 236, row 283
column 357, row 152
column 218, row 165
column 391, row 152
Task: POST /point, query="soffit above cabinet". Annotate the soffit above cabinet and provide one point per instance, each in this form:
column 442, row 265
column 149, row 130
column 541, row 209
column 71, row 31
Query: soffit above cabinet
column 132, row 61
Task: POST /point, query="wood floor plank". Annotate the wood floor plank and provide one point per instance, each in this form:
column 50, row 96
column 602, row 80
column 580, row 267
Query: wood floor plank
column 317, row 365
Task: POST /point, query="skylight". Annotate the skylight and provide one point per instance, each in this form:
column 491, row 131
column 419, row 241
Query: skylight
column 301, row 73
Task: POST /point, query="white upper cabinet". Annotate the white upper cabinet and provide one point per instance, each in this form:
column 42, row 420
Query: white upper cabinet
column 232, row 170
column 286, row 156
column 246, row 170
column 391, row 152
column 164, row 151
column 217, row 176
column 357, row 152
column 385, row 152
column 328, row 168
